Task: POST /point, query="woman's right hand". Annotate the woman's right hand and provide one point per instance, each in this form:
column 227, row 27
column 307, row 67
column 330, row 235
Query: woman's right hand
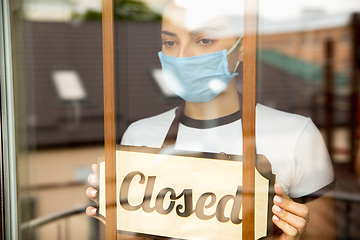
column 91, row 192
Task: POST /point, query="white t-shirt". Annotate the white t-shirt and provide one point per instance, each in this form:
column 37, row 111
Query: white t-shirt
column 292, row 143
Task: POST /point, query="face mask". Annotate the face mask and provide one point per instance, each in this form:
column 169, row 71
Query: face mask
column 199, row 78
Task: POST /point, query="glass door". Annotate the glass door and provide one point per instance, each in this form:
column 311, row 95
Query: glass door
column 179, row 112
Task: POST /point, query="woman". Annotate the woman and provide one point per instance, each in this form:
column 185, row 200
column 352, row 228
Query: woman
column 200, row 55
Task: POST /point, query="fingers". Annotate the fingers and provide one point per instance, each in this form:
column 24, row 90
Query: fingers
column 92, row 212
column 289, row 216
column 280, row 191
column 94, row 167
column 290, row 231
column 285, row 202
column 91, row 193
column 290, row 223
column 93, row 180
column 291, row 207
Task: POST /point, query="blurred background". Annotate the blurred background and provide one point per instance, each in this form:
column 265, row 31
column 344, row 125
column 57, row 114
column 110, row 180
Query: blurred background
column 308, row 63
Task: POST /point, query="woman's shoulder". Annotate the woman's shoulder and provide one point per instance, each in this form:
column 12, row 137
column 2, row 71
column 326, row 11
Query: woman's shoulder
column 275, row 114
column 274, row 119
column 282, row 128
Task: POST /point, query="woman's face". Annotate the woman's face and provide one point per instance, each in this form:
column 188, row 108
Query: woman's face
column 177, row 41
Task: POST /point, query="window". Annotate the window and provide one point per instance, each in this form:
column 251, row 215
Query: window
column 52, row 112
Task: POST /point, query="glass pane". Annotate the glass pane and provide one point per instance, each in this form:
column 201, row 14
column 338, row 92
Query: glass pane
column 308, row 65
column 179, row 70
column 58, row 107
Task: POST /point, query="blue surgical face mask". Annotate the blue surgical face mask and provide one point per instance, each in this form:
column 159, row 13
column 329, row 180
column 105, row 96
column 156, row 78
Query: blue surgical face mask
column 199, row 78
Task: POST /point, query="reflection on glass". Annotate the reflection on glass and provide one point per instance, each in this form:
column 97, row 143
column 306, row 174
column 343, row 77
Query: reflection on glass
column 307, row 66
column 59, row 115
column 59, row 118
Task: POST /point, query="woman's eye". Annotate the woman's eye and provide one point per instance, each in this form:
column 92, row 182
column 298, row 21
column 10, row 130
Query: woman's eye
column 169, row 43
column 206, row 41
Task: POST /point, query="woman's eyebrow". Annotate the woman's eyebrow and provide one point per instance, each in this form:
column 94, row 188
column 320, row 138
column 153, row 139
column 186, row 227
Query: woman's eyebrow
column 204, row 29
column 168, row 33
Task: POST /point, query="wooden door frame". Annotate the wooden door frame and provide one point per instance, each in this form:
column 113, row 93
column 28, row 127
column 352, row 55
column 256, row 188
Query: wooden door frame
column 249, row 105
column 109, row 117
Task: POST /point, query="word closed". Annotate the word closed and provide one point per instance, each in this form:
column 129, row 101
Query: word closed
column 184, row 207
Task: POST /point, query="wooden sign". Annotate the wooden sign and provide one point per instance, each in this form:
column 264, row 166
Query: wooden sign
column 185, row 197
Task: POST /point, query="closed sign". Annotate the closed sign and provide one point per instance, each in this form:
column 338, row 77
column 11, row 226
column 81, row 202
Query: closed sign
column 183, row 197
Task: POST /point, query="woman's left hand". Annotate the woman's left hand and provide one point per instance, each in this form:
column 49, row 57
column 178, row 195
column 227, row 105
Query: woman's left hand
column 289, row 216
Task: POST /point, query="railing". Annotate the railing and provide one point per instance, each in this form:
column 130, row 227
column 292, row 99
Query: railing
column 37, row 227
column 51, row 218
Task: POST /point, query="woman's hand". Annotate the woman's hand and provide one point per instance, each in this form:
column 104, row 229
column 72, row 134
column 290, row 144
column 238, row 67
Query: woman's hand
column 289, row 216
column 91, row 192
